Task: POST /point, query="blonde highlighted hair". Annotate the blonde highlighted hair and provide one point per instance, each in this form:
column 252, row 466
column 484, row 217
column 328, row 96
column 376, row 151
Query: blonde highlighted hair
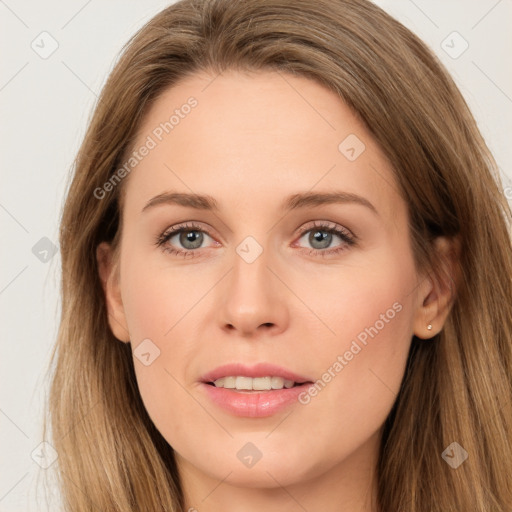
column 457, row 387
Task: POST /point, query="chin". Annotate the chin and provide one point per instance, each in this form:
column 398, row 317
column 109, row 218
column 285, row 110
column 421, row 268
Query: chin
column 264, row 476
column 275, row 469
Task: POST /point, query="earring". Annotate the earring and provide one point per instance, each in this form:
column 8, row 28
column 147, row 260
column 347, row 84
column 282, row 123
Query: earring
column 429, row 327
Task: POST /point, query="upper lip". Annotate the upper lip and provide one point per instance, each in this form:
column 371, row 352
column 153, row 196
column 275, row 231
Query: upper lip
column 256, row 370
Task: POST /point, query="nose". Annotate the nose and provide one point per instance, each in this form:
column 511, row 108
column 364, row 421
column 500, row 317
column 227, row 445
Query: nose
column 253, row 298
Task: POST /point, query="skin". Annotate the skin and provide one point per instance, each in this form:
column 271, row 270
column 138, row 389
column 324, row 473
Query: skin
column 252, row 140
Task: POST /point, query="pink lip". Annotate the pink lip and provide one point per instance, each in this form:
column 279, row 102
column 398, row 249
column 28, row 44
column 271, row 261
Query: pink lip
column 257, row 370
column 253, row 404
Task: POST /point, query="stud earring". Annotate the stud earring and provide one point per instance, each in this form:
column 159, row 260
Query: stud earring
column 429, row 327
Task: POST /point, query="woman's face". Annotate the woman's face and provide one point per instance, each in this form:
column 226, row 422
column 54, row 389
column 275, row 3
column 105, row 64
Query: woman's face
column 300, row 259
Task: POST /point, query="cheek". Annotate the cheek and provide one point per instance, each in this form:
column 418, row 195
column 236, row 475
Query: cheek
column 155, row 297
column 150, row 307
column 155, row 308
column 361, row 366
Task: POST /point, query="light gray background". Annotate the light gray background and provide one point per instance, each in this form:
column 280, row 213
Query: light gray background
column 45, row 105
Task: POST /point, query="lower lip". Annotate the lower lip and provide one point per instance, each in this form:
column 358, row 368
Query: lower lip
column 254, row 404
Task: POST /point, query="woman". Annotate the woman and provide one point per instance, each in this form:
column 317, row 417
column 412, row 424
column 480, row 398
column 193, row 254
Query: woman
column 207, row 358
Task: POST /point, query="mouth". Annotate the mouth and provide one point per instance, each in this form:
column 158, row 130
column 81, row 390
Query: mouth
column 244, row 384
column 259, row 377
column 255, row 391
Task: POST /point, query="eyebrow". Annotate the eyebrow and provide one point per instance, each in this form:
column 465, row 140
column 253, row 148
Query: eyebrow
column 293, row 202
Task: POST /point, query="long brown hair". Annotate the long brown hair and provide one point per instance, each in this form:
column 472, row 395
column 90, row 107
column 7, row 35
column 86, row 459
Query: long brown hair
column 457, row 387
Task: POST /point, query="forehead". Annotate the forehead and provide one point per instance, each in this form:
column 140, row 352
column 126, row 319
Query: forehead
column 247, row 135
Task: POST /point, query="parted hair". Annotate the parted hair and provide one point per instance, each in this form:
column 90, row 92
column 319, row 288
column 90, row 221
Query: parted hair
column 457, row 386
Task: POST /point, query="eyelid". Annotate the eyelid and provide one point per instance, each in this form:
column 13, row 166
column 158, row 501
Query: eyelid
column 346, row 235
column 182, row 226
column 327, row 225
column 321, row 224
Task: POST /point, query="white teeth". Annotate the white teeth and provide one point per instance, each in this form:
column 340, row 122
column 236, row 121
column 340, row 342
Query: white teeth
column 229, row 382
column 277, row 382
column 253, row 384
column 243, row 383
column 219, row 383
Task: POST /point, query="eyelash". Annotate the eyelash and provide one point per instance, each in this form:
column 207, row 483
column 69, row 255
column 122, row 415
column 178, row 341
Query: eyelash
column 348, row 238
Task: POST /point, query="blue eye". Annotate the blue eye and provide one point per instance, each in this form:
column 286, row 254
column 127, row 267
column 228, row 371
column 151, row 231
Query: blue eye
column 187, row 233
column 191, row 237
column 321, row 235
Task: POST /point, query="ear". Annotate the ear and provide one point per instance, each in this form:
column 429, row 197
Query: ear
column 437, row 292
column 108, row 268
